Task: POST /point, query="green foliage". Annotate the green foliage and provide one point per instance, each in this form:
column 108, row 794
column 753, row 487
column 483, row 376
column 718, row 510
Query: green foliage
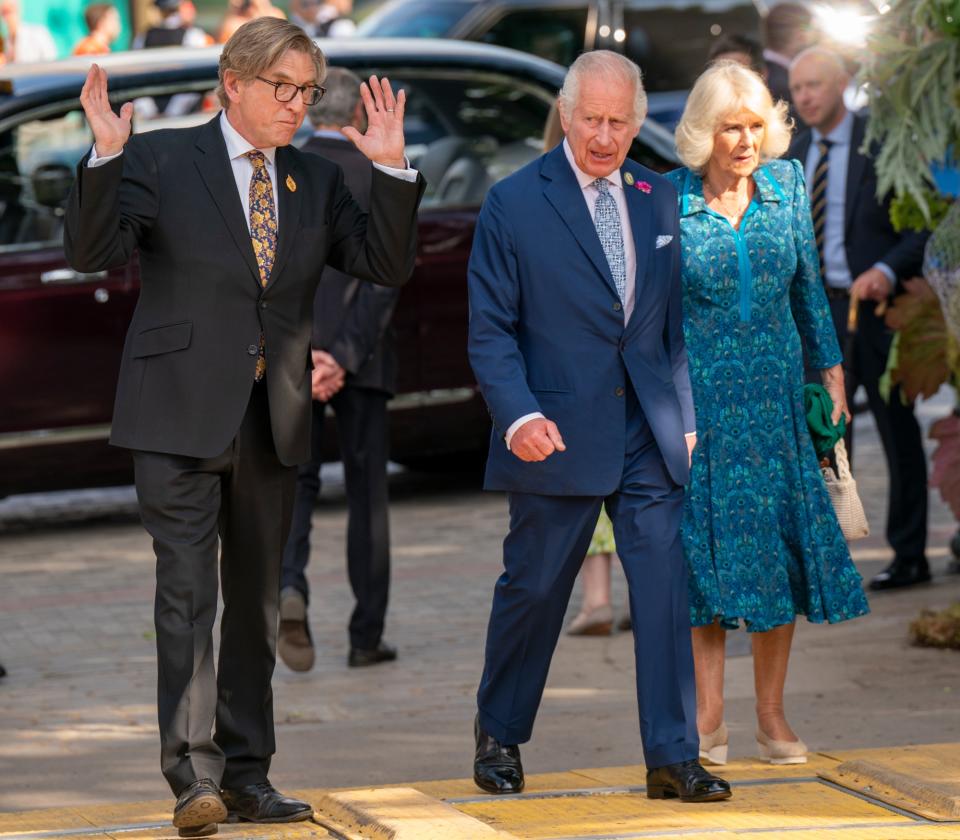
column 912, row 70
column 906, row 214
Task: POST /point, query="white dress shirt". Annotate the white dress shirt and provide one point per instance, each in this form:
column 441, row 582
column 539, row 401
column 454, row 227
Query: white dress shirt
column 237, row 150
column 590, row 194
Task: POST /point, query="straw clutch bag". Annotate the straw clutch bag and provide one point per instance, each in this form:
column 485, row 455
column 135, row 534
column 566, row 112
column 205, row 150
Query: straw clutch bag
column 843, row 494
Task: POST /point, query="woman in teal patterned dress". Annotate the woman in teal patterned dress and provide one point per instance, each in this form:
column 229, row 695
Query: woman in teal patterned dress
column 760, row 535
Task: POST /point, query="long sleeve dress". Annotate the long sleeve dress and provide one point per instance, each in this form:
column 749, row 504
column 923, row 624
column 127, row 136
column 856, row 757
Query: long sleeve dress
column 761, row 539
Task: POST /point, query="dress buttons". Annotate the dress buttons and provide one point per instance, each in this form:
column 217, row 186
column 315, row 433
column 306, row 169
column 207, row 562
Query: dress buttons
column 619, row 391
column 253, row 349
column 617, row 306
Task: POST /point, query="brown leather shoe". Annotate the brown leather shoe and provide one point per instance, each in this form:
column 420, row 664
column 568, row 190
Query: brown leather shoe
column 294, row 645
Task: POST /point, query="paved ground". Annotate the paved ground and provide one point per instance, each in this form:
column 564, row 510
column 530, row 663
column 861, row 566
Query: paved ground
column 77, row 722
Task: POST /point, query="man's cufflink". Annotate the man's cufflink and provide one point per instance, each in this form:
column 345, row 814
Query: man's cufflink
column 663, row 240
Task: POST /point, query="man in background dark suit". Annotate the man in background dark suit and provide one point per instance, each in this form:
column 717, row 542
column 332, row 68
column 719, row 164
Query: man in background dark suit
column 354, row 373
column 233, row 227
column 862, row 255
column 787, row 29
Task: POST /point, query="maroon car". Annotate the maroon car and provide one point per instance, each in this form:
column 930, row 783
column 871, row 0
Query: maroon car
column 475, row 114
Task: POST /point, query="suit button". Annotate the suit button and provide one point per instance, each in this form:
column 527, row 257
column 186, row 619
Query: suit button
column 263, row 304
column 619, row 391
column 617, row 307
column 623, row 346
column 253, row 350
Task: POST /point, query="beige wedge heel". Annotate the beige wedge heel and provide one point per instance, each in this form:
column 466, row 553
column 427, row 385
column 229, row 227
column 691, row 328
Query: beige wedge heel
column 781, row 752
column 713, row 745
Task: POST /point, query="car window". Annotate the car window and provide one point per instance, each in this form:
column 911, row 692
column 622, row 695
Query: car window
column 424, row 19
column 465, row 131
column 37, row 160
column 555, row 34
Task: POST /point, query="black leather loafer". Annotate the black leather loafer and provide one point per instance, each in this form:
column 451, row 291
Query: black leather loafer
column 263, row 803
column 360, row 658
column 199, row 808
column 903, row 571
column 686, row 781
column 496, row 766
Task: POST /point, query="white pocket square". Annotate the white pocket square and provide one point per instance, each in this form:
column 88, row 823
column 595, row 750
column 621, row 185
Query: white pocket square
column 666, row 239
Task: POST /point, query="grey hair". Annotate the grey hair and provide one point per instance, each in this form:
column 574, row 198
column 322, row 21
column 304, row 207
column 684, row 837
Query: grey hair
column 339, row 103
column 607, row 65
column 828, row 57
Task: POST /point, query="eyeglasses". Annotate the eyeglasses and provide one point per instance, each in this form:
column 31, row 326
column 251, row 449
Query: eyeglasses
column 286, row 91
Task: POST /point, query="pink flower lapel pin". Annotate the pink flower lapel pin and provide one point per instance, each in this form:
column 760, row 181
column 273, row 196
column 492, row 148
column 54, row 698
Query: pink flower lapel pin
column 643, row 186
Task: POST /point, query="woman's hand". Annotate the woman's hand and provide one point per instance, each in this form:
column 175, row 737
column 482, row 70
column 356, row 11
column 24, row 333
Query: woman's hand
column 833, row 381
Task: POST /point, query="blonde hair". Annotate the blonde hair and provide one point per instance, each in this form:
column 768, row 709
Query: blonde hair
column 609, row 66
column 722, row 90
column 260, row 44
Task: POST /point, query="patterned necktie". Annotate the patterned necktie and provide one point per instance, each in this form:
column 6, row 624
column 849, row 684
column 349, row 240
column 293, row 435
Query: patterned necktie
column 263, row 231
column 606, row 219
column 818, row 199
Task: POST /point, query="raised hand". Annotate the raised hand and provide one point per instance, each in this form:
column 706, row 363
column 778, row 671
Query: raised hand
column 110, row 132
column 383, row 141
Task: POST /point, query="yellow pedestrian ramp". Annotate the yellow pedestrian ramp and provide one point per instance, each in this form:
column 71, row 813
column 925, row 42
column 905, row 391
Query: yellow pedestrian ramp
column 903, row 793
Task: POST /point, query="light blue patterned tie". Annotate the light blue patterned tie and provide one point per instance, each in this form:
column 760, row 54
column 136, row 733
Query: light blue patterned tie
column 606, row 219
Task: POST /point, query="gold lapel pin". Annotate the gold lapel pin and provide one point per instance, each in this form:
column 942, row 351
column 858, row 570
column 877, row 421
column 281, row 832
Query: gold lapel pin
column 628, row 178
column 291, row 184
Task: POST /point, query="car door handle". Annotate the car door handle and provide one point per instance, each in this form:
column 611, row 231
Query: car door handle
column 68, row 275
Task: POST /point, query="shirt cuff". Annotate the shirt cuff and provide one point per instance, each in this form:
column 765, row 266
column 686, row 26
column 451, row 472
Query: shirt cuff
column 887, row 272
column 516, row 424
column 94, row 160
column 407, row 174
column 690, row 434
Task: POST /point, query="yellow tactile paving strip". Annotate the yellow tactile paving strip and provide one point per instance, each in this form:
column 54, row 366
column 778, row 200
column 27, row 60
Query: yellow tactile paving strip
column 778, row 802
column 923, row 780
column 788, row 806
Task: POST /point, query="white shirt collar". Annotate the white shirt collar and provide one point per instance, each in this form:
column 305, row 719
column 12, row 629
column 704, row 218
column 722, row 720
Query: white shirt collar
column 583, row 179
column 237, row 146
column 842, row 133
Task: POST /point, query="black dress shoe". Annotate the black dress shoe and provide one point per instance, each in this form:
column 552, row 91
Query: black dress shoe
column 263, row 803
column 496, row 767
column 903, row 571
column 360, row 657
column 687, row 781
column 199, row 808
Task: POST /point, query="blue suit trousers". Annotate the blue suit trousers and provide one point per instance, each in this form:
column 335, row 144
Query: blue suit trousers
column 542, row 555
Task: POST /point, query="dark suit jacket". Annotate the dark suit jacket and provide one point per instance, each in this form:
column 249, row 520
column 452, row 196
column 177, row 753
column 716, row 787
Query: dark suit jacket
column 868, row 234
column 188, row 361
column 547, row 329
column 351, row 319
column 778, row 81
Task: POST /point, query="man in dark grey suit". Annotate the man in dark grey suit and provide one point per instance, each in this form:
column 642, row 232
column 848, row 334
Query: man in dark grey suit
column 354, row 373
column 233, row 227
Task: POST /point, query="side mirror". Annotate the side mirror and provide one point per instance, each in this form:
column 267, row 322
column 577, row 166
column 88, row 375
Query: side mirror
column 51, row 183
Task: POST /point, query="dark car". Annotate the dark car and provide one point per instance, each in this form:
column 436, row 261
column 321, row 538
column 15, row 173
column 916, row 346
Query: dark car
column 668, row 39
column 475, row 114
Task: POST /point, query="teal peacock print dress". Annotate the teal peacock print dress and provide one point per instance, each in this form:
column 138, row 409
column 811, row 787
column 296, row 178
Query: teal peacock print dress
column 761, row 539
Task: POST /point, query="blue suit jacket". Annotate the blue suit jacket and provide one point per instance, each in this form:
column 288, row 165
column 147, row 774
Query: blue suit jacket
column 547, row 330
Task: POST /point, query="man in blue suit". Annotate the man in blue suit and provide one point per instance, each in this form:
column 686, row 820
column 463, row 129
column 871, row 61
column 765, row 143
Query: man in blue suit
column 576, row 341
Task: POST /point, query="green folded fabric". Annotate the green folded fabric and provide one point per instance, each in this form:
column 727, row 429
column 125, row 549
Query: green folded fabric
column 818, row 406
